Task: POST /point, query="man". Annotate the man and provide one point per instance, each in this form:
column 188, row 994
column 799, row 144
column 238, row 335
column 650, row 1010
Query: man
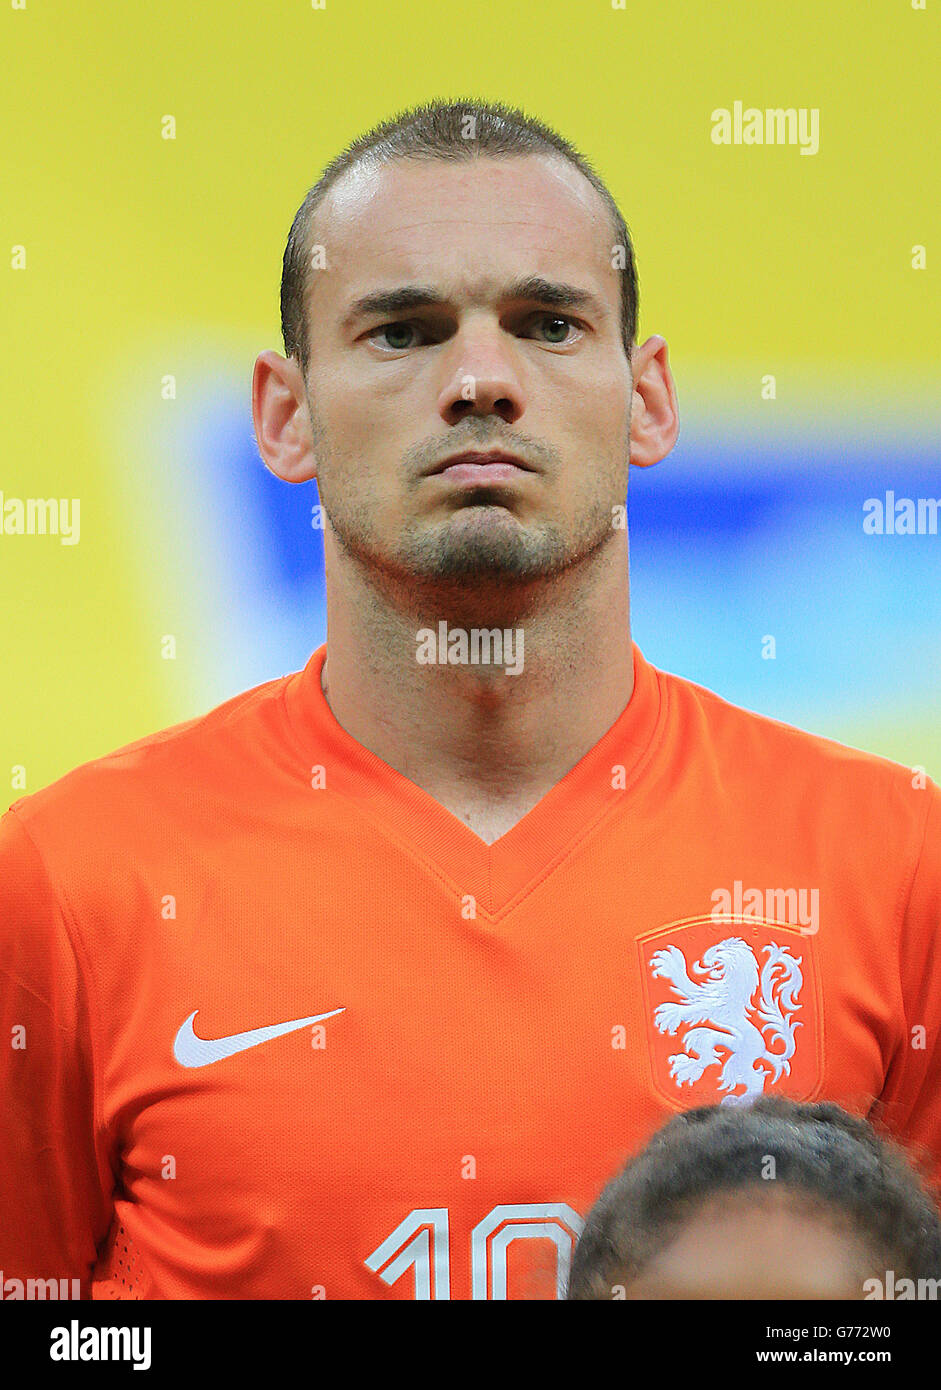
column 362, row 985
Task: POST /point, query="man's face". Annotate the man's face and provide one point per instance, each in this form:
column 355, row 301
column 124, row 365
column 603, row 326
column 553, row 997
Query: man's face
column 490, row 365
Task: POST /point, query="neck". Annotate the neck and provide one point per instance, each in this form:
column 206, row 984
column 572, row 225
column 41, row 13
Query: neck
column 483, row 742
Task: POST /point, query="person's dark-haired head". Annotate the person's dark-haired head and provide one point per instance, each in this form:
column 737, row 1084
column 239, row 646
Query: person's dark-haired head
column 446, row 130
column 771, row 1200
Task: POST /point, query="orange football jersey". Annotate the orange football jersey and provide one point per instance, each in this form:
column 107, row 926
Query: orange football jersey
column 275, row 1024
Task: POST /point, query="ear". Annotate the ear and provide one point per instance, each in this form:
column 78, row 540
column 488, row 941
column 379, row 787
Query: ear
column 655, row 421
column 282, row 419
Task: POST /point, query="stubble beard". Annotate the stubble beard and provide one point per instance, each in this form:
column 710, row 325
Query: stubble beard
column 479, row 561
column 479, row 557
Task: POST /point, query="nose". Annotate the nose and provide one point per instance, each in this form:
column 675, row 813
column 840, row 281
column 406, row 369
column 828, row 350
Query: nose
column 482, row 378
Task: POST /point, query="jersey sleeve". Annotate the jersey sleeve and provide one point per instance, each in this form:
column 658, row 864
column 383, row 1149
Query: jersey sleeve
column 912, row 1095
column 55, row 1179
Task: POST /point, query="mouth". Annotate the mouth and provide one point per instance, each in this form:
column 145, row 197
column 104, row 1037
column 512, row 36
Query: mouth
column 476, row 468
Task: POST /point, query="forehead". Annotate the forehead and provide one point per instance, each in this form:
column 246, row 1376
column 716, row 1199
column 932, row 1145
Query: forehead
column 769, row 1243
column 468, row 223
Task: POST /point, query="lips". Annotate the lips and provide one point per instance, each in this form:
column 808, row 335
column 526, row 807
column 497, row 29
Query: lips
column 489, row 463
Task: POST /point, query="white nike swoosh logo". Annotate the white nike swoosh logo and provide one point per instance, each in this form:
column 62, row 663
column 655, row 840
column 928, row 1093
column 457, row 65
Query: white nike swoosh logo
column 191, row 1051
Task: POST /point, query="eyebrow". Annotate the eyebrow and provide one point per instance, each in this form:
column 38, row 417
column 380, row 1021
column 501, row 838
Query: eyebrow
column 533, row 287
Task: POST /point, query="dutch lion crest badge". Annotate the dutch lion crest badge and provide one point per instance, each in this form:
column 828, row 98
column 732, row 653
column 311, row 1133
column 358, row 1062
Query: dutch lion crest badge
column 732, row 1014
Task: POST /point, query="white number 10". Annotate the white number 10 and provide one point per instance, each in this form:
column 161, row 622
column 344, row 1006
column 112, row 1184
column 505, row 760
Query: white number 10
column 421, row 1242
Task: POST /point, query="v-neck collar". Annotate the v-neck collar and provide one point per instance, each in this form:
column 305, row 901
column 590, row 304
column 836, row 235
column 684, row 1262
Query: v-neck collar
column 496, row 875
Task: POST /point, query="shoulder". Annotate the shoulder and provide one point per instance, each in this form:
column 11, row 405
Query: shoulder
column 767, row 759
column 124, row 791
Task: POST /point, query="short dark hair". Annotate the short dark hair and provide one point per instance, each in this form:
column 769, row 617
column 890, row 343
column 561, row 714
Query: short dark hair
column 439, row 130
column 827, row 1158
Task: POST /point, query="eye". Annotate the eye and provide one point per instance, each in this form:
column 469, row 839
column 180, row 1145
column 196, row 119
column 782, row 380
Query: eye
column 394, row 331
column 556, row 323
